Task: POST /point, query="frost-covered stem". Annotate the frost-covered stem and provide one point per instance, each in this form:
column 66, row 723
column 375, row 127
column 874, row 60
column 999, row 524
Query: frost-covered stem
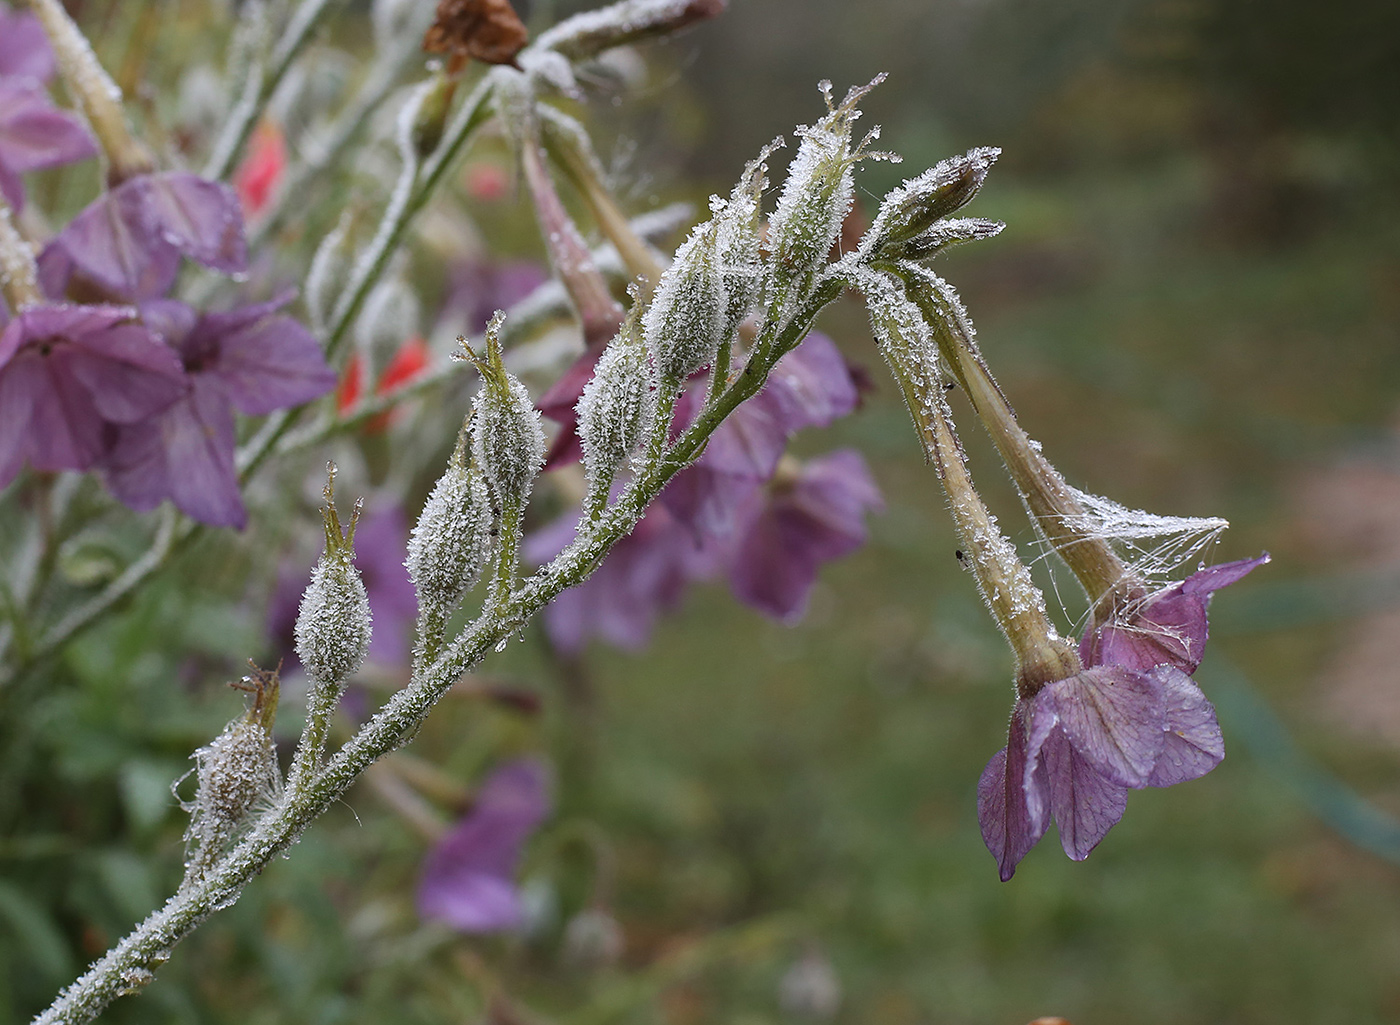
column 1056, row 511
column 382, row 76
column 262, row 83
column 127, row 967
column 413, row 191
column 431, row 624
column 19, row 277
column 505, row 574
column 568, row 144
column 1015, row 602
column 97, row 94
column 320, row 707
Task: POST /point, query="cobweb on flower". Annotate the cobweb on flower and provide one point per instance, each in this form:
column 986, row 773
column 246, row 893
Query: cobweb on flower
column 1159, row 549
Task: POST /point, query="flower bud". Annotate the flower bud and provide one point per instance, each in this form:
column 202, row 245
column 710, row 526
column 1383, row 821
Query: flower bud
column 333, row 625
column 616, row 409
column 507, row 438
column 451, row 542
column 818, row 192
column 915, row 207
column 740, row 241
column 685, row 323
column 391, row 313
column 431, row 117
column 586, row 35
column 235, row 772
column 593, row 940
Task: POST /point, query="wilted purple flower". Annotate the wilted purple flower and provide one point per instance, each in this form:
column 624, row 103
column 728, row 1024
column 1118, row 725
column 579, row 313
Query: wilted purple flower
column 252, row 359
column 128, row 241
column 24, row 49
column 69, row 375
column 811, row 386
column 468, row 879
column 643, row 576
column 802, row 519
column 34, row 134
column 1132, row 718
column 717, row 516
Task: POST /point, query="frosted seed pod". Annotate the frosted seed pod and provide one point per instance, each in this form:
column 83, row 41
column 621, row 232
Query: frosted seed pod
column 333, row 625
column 452, row 540
column 913, row 208
column 616, row 409
column 507, row 437
column 740, row 241
column 685, row 323
column 235, row 772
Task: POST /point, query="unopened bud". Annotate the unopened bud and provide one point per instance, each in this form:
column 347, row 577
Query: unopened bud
column 431, row 116
column 593, row 940
column 686, row 320
column 235, row 772
column 586, row 35
column 818, row 191
column 507, row 436
column 616, row 409
column 740, row 241
column 333, row 625
column 391, row 314
column 451, row 542
column 915, row 207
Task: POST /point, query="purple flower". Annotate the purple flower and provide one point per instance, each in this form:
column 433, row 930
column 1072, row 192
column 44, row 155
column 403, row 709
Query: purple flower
column 468, row 879
column 34, row 134
column 811, row 386
column 128, row 241
column 1131, row 718
column 251, row 359
column 381, row 540
column 477, row 289
column 69, row 375
column 728, row 513
column 812, row 515
column 24, row 49
column 644, row 575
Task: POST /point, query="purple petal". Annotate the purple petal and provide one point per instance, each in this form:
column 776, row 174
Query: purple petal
column 1168, row 628
column 198, row 436
column 112, row 244
column 135, row 470
column 1113, row 717
column 65, row 430
column 265, row 361
column 1085, row 804
column 467, row 878
column 11, row 187
column 1193, row 743
column 24, row 49
column 1011, row 804
column 20, row 384
column 200, row 218
column 35, row 134
column 811, row 386
column 130, row 375
column 816, row 518
column 380, row 542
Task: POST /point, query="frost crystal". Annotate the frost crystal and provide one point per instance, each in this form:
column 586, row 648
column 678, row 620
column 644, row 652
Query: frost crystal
column 333, row 624
column 507, row 436
column 685, row 323
column 452, row 539
column 740, row 240
column 588, row 34
column 616, row 408
column 1155, row 545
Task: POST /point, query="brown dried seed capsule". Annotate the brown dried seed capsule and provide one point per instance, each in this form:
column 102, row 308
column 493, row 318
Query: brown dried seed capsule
column 488, row 30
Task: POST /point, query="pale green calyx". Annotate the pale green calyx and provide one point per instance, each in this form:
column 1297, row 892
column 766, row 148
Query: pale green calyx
column 451, row 542
column 333, row 625
column 507, row 437
column 685, row 323
column 616, row 410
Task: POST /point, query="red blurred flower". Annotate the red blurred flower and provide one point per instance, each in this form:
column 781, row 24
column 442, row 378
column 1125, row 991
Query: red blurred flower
column 408, row 363
column 261, row 172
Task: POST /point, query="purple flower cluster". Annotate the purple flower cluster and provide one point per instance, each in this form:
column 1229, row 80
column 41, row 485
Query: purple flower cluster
column 744, row 510
column 34, row 134
column 468, row 879
column 145, row 393
column 1131, row 718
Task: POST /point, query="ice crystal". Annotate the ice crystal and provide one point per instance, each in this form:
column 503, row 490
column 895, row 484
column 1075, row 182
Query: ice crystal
column 740, row 240
column 1155, row 546
column 911, row 212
